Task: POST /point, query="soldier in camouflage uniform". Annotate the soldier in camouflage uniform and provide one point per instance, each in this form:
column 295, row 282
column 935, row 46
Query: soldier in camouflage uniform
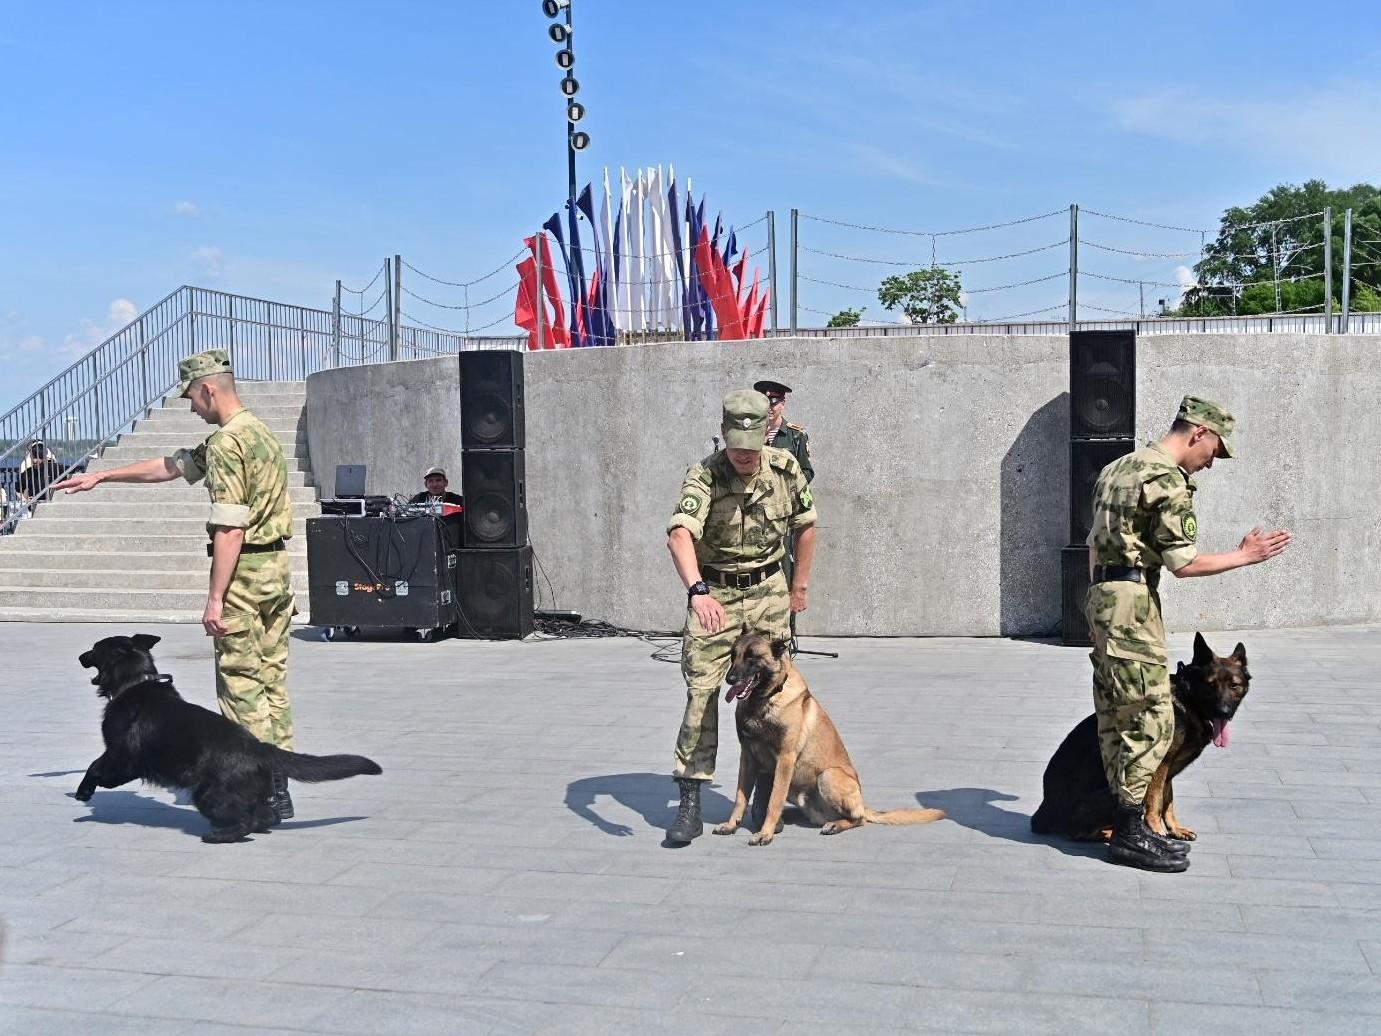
column 249, row 606
column 727, row 538
column 1143, row 520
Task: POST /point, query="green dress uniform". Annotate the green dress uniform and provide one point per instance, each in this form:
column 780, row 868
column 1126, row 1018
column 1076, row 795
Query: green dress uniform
column 740, row 530
column 247, row 478
column 1143, row 521
column 793, row 439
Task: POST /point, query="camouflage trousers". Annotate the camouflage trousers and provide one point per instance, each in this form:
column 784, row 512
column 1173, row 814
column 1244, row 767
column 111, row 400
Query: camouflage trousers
column 705, row 659
column 252, row 659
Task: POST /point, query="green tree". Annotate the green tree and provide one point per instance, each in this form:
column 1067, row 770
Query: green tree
column 929, row 296
column 1266, row 244
column 847, row 317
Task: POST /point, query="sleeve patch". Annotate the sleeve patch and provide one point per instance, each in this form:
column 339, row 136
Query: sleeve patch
column 806, row 502
column 690, row 504
column 1191, row 528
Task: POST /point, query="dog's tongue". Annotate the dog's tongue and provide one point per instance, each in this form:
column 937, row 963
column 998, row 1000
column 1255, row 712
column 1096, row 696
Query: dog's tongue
column 736, row 690
column 1221, row 733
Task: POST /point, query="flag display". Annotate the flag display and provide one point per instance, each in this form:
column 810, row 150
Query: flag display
column 647, row 260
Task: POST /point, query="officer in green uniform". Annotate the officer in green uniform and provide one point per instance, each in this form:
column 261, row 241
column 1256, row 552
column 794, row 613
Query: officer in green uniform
column 249, row 606
column 781, row 434
column 1143, row 520
column 727, row 539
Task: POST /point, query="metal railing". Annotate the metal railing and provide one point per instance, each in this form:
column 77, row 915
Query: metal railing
column 1266, row 323
column 99, row 397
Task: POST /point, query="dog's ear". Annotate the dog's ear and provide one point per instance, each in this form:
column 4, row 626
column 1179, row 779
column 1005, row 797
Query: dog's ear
column 780, row 647
column 1203, row 655
column 145, row 641
column 1239, row 653
column 1179, row 668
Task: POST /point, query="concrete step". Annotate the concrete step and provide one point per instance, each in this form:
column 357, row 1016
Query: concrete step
column 75, row 521
column 143, row 447
column 177, row 492
column 136, row 618
column 193, row 559
column 299, row 476
column 14, row 596
column 274, row 417
column 172, row 439
column 121, row 579
column 37, row 541
column 148, row 510
column 253, row 400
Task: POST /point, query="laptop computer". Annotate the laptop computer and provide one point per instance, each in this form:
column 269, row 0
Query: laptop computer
column 349, row 481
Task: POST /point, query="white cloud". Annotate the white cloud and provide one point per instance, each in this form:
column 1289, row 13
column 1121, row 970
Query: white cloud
column 1184, row 276
column 1332, row 126
column 211, row 259
column 186, row 208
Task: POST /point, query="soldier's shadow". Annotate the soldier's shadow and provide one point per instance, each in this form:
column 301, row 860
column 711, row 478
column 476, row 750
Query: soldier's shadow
column 128, row 807
column 653, row 796
column 977, row 809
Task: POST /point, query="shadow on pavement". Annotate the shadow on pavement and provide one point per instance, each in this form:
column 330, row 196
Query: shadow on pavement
column 977, row 809
column 127, row 807
column 652, row 795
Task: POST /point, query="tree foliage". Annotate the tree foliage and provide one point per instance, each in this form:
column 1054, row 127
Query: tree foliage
column 929, row 296
column 847, row 317
column 1265, row 245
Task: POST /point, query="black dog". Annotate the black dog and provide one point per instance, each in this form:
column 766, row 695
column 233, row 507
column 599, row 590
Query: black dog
column 152, row 734
column 1078, row 804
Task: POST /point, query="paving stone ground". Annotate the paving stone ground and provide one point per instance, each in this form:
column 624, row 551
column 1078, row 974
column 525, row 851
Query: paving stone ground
column 506, row 874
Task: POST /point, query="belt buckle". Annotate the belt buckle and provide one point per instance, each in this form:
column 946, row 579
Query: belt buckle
column 743, row 580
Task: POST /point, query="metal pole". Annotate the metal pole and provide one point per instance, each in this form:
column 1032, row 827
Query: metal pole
column 397, row 330
column 389, row 306
column 1328, row 270
column 335, row 329
column 1347, row 267
column 539, row 303
column 772, row 263
column 794, row 288
column 1073, row 266
column 1141, row 290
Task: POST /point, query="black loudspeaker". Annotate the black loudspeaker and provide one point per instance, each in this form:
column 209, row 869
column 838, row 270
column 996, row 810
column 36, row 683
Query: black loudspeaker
column 1088, row 457
column 381, row 572
column 491, row 400
column 1102, row 384
column 494, row 486
column 1074, row 584
column 494, row 593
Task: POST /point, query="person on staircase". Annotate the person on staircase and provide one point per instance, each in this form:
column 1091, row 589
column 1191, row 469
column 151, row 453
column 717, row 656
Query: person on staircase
column 249, row 606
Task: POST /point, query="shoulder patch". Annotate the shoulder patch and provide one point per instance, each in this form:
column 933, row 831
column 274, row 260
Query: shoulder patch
column 690, row 504
column 1191, row 528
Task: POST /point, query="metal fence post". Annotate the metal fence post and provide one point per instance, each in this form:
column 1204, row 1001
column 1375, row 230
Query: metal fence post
column 335, row 329
column 397, row 306
column 1073, row 266
column 388, row 307
column 795, row 242
column 772, row 263
column 1347, row 267
column 302, row 339
column 1328, row 270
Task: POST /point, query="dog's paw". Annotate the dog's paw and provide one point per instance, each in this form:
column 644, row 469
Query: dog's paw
column 832, row 828
column 1184, row 834
column 725, row 829
column 762, row 838
column 82, row 796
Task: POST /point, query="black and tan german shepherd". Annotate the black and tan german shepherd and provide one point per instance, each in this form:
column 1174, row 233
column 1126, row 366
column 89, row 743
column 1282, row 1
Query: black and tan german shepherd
column 152, row 734
column 1206, row 695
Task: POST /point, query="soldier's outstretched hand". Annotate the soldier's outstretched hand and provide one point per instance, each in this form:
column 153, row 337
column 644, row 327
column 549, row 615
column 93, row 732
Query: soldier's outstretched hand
column 78, row 483
column 1258, row 546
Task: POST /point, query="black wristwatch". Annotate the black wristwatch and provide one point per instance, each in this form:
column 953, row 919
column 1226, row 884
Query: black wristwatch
column 698, row 588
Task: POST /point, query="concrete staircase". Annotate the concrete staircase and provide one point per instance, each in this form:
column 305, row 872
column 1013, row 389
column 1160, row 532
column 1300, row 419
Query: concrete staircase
column 132, row 553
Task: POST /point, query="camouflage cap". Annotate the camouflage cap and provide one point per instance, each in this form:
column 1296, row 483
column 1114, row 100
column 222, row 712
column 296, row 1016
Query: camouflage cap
column 202, row 365
column 745, row 420
column 1210, row 415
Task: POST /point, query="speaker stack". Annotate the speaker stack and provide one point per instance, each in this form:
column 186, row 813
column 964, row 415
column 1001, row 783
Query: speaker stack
column 1102, row 427
column 494, row 576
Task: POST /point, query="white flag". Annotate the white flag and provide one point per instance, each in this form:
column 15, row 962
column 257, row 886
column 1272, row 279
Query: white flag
column 607, row 219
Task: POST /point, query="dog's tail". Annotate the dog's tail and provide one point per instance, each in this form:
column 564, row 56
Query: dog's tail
column 903, row 816
column 312, row 768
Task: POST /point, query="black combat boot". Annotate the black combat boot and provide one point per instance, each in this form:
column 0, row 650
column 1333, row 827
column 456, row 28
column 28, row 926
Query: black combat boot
column 1134, row 844
column 762, row 791
column 282, row 801
column 688, row 824
column 1170, row 845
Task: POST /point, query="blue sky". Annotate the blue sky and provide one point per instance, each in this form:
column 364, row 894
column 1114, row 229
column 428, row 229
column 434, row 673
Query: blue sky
column 268, row 149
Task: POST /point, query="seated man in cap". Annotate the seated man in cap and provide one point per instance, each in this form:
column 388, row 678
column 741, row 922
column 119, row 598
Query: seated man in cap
column 1143, row 520
column 436, row 493
column 250, row 605
column 727, row 538
column 781, row 434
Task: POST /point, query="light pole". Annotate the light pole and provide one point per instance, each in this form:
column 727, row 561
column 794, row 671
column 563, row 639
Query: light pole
column 562, row 32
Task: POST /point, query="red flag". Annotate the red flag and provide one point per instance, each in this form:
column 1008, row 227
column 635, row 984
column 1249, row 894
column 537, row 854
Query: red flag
column 555, row 334
column 716, row 278
column 525, row 308
column 739, row 268
column 750, row 305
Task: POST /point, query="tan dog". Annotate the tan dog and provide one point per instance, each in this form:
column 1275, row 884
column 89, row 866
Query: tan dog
column 787, row 739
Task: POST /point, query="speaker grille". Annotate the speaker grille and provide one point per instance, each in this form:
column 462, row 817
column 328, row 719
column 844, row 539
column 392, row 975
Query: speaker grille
column 1088, row 457
column 1102, row 384
column 1074, row 585
column 494, row 592
column 495, row 497
column 491, row 399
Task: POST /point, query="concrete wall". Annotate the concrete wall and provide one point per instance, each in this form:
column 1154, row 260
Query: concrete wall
column 942, row 470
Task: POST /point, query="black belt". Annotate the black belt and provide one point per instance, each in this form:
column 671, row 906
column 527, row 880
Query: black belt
column 252, row 548
column 740, row 580
column 1117, row 574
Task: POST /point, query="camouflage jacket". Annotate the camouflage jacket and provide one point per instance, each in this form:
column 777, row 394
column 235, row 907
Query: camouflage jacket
column 1143, row 517
column 739, row 527
column 246, row 476
column 793, row 439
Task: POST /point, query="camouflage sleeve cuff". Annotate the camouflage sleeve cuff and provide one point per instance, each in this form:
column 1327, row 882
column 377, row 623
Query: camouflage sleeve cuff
column 800, row 521
column 229, row 516
column 188, row 465
column 1179, row 557
column 690, row 523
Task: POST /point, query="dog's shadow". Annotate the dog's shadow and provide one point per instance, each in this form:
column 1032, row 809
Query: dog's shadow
column 654, row 796
column 977, row 809
column 128, row 807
